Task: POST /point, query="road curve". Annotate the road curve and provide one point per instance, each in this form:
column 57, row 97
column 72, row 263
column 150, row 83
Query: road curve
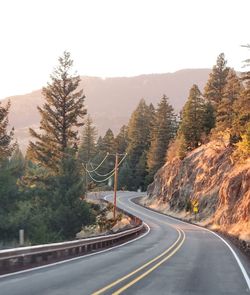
column 172, row 258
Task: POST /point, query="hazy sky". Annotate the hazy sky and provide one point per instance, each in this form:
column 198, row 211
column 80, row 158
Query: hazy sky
column 117, row 37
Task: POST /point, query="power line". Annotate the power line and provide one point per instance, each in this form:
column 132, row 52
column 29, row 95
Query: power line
column 112, row 171
column 103, row 180
column 103, row 175
column 97, row 166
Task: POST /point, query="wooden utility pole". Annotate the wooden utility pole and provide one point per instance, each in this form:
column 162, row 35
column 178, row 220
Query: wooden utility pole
column 115, row 184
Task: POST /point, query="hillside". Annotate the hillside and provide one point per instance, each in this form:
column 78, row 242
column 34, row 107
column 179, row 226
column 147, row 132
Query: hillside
column 208, row 174
column 110, row 101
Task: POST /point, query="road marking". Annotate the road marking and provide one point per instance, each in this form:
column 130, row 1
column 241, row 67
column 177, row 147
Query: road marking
column 151, row 269
column 241, row 266
column 139, row 268
column 76, row 258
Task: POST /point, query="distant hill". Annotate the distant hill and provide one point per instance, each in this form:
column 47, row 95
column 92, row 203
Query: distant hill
column 110, row 101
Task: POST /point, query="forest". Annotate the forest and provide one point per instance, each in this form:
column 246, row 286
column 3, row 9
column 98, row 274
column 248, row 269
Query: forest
column 44, row 191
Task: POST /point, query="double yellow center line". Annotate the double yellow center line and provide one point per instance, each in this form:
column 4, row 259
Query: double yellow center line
column 162, row 258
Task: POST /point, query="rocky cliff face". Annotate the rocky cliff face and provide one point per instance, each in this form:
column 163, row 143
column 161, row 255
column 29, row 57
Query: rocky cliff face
column 209, row 176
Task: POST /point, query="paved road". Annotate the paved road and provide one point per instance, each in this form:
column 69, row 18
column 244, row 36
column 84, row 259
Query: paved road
column 172, row 258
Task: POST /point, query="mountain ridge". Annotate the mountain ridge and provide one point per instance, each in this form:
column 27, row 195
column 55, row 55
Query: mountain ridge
column 110, row 101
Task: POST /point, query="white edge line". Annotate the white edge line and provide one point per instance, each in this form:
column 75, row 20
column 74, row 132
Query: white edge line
column 76, row 258
column 242, row 268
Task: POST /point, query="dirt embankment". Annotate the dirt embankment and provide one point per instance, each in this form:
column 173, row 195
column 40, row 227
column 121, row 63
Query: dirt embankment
column 209, row 176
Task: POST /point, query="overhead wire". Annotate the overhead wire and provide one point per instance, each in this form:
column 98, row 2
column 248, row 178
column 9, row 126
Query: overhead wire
column 98, row 165
column 103, row 175
column 112, row 171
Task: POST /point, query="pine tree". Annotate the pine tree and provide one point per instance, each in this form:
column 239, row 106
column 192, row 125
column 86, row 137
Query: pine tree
column 241, row 105
column 152, row 115
column 225, row 112
column 209, row 118
column 121, row 140
column 193, row 119
column 139, row 140
column 6, row 147
column 125, row 178
column 139, row 132
column 214, row 88
column 69, row 211
column 105, row 145
column 61, row 114
column 87, row 148
column 99, row 145
column 17, row 162
column 163, row 131
column 245, row 77
column 108, row 142
column 141, row 172
column 241, row 109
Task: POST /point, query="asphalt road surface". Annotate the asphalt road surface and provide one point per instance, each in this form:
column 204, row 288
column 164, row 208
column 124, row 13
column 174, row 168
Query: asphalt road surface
column 171, row 258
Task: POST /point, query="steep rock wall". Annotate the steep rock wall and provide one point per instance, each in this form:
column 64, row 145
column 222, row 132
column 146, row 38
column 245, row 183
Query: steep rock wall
column 210, row 176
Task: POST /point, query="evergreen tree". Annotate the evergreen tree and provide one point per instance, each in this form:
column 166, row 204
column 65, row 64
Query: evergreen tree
column 163, row 131
column 108, row 142
column 87, row 148
column 209, row 118
column 17, row 162
column 105, row 145
column 193, row 119
column 125, row 178
column 225, row 112
column 241, row 108
column 6, row 147
column 139, row 140
column 99, row 145
column 69, row 211
column 245, row 77
column 62, row 112
column 121, row 140
column 241, row 105
column 214, row 88
column 56, row 181
column 152, row 118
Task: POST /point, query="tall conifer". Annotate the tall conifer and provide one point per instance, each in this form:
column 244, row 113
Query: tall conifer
column 6, row 148
column 225, row 112
column 193, row 118
column 139, row 141
column 163, row 131
column 61, row 114
column 214, row 88
column 87, row 148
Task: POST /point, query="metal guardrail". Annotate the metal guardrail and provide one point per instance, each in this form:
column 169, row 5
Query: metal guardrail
column 26, row 257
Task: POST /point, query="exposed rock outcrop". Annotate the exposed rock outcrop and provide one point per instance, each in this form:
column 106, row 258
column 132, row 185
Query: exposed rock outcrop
column 210, row 176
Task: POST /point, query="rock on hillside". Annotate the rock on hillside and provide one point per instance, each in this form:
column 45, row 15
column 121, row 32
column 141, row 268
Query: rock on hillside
column 209, row 175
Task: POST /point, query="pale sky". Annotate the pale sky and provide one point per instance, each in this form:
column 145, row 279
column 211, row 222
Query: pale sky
column 109, row 38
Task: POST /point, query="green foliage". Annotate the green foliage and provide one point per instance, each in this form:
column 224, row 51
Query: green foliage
column 243, row 147
column 214, row 88
column 163, row 131
column 125, row 177
column 62, row 112
column 121, row 140
column 194, row 119
column 9, row 196
column 241, row 112
column 6, row 147
column 69, row 211
column 139, row 130
column 87, row 148
column 108, row 142
column 52, row 186
column 225, row 110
